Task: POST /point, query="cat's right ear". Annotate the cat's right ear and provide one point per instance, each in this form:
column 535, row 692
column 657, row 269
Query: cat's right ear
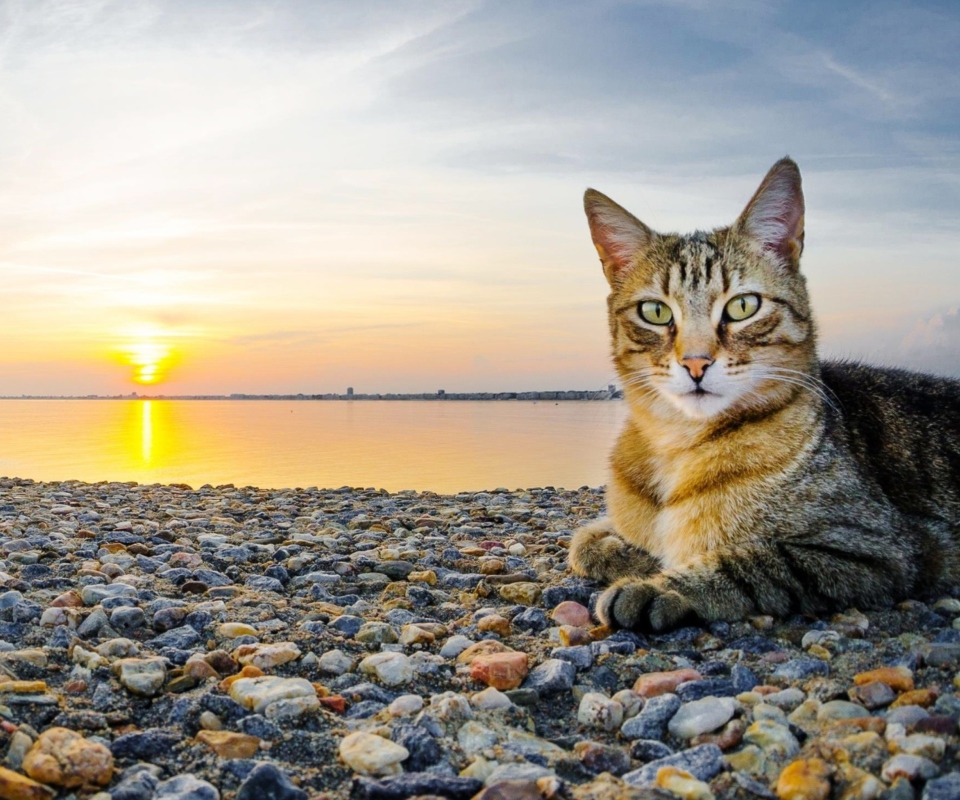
column 617, row 234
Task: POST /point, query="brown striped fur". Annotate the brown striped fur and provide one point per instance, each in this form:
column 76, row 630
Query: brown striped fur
column 777, row 484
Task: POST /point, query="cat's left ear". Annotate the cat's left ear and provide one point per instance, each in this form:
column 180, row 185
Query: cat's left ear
column 774, row 216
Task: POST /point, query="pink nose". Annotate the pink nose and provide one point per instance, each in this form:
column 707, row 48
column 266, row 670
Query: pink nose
column 696, row 366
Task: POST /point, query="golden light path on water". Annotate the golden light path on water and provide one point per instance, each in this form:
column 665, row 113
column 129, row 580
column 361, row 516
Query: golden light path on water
column 438, row 446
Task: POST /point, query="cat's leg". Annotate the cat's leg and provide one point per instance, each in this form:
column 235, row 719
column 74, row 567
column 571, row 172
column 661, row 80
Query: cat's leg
column 598, row 552
column 832, row 571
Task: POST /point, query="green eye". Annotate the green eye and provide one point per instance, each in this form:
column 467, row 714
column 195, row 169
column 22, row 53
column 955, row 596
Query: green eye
column 742, row 307
column 655, row 312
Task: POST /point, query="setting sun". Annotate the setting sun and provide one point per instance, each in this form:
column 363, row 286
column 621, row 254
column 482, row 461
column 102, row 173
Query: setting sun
column 149, row 360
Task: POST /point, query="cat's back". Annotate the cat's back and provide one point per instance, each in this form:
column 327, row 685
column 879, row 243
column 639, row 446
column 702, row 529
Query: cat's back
column 904, row 430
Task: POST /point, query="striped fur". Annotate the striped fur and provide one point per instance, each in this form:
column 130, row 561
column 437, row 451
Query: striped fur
column 778, row 483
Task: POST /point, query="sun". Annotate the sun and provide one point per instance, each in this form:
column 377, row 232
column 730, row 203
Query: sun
column 149, row 359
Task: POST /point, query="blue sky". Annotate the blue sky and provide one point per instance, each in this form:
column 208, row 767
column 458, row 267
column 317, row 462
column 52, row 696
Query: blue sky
column 300, row 196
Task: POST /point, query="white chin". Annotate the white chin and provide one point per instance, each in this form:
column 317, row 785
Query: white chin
column 700, row 406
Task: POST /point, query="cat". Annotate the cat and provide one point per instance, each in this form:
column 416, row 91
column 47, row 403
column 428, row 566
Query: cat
column 750, row 477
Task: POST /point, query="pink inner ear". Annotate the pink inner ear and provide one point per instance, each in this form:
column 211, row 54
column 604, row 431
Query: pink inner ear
column 775, row 216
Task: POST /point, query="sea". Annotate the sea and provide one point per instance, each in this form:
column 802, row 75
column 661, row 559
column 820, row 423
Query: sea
column 439, row 446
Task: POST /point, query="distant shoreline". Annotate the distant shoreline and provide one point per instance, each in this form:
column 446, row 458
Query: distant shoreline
column 606, row 394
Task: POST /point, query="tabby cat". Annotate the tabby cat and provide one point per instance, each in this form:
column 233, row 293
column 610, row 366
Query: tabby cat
column 750, row 477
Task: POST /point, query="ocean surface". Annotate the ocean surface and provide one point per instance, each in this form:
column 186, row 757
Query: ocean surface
column 444, row 447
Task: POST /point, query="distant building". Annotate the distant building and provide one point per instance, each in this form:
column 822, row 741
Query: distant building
column 441, row 392
column 349, row 391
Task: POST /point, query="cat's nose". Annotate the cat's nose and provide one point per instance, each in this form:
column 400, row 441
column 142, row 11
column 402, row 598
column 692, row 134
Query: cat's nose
column 696, row 366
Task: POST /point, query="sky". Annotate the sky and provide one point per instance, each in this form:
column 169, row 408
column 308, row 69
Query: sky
column 216, row 196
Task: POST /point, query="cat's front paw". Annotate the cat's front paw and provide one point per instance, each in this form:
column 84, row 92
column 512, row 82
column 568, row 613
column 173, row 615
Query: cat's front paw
column 643, row 606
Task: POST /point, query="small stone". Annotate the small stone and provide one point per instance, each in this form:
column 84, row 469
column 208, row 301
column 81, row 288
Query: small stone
column 919, row 744
column 474, row 737
column 490, row 699
column 62, row 757
column 427, row 576
column 647, row 750
column 773, row 738
column 186, row 787
column 917, row 697
column 872, row 695
column 703, row 763
column 266, row 656
column 801, row 669
column 841, row 709
column 414, row 634
column 651, row 722
column 598, row 757
column 335, row 662
column 14, row 786
column 702, row 716
column 525, row 593
column 552, row 676
column 500, row 670
column 599, row 711
column 369, row 754
column 913, row 768
column 631, row 702
column 392, row 669
column 683, row 784
column 267, row 782
column 231, row 630
column 509, row 789
column 805, row 779
column 228, row 744
column 405, row 705
column 454, row 646
column 945, row 788
column 266, row 695
column 571, row 613
column 654, row 684
column 494, row 623
column 419, row 784
column 376, row 633
column 210, row 721
column 141, row 676
column 900, row 679
column 570, row 636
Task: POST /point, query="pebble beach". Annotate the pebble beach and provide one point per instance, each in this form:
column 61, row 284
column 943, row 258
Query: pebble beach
column 234, row 643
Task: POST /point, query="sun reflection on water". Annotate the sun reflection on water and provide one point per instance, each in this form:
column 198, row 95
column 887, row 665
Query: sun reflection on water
column 146, row 432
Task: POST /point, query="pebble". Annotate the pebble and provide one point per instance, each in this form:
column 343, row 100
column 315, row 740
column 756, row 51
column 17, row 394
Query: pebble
column 228, row 744
column 913, row 768
column 552, row 676
column 702, row 716
column 267, row 656
column 651, row 722
column 14, row 786
column 703, row 762
column 267, row 782
column 571, row 613
column 654, row 684
column 500, row 670
column 805, row 779
column 405, row 705
column 369, row 754
column 141, row 676
column 772, row 738
column 275, row 697
column 391, row 669
column 599, row 711
column 186, row 787
column 62, row 757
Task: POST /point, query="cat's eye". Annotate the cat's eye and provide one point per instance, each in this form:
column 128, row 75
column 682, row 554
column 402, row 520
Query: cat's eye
column 655, row 312
column 742, row 307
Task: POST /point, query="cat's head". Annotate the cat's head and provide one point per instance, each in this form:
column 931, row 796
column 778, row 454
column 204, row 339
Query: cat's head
column 711, row 323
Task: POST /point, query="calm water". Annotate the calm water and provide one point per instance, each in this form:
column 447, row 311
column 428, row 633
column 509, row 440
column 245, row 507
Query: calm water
column 441, row 446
